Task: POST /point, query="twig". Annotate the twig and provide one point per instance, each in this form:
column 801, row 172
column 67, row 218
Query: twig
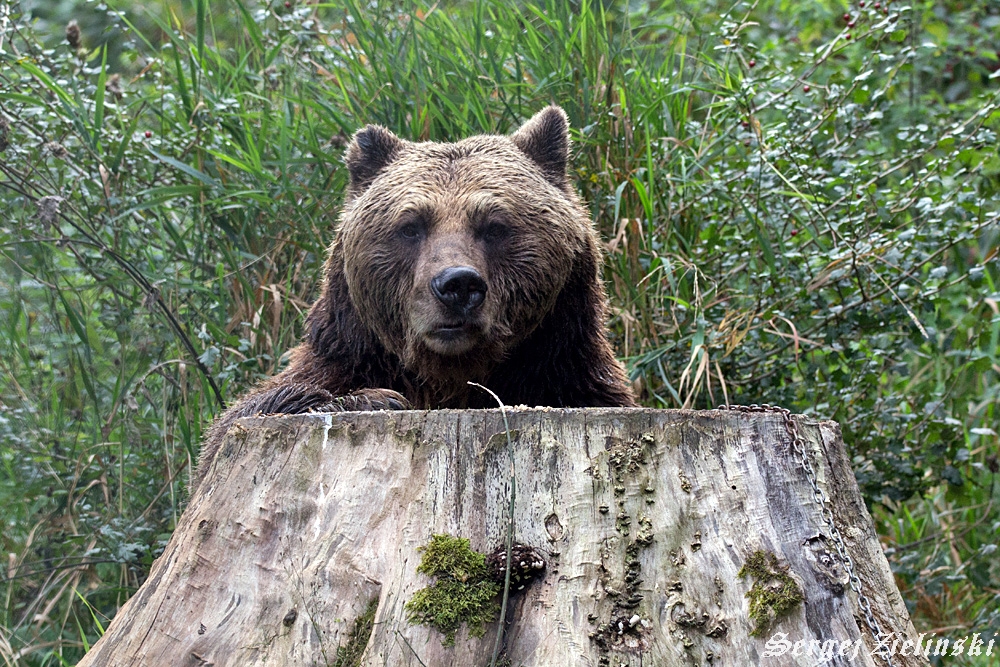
column 52, row 568
column 399, row 635
column 510, row 527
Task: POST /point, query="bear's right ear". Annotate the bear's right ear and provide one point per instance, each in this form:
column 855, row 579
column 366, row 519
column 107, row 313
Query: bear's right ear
column 545, row 139
column 371, row 150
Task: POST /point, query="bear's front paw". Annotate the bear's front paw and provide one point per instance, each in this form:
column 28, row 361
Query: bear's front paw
column 366, row 400
column 290, row 399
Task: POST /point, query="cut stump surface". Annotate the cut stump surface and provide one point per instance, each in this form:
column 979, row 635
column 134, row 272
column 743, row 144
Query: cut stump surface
column 306, row 529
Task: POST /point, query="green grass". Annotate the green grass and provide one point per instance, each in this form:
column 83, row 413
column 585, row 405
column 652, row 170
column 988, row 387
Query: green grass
column 791, row 217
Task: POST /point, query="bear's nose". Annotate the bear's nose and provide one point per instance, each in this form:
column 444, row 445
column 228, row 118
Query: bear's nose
column 460, row 288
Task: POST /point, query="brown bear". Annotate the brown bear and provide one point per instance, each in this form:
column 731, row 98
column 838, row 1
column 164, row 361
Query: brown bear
column 471, row 261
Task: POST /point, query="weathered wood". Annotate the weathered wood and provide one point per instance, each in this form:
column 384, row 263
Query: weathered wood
column 322, row 514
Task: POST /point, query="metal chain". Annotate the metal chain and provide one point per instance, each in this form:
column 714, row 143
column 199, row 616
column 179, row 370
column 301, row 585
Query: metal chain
column 819, row 496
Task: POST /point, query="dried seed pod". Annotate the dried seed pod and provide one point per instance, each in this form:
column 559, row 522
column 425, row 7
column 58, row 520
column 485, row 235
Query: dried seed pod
column 151, row 299
column 48, row 210
column 56, row 149
column 114, row 86
column 73, row 34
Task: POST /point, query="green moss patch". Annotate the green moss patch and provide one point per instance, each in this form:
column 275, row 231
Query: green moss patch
column 349, row 655
column 463, row 593
column 774, row 593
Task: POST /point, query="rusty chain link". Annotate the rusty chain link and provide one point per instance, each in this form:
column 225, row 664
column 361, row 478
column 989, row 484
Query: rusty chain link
column 819, row 496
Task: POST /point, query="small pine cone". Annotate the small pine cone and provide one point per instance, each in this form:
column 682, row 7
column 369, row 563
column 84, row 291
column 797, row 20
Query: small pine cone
column 4, row 134
column 73, row 34
column 526, row 564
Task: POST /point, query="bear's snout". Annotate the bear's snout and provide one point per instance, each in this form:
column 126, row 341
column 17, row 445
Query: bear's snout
column 460, row 289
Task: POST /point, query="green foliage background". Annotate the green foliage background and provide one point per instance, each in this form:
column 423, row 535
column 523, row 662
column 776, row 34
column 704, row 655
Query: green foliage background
column 799, row 201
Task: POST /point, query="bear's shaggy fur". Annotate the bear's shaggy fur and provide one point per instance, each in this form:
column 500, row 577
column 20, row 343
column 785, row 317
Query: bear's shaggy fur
column 453, row 262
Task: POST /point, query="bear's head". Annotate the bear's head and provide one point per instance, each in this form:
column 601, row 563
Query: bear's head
column 453, row 253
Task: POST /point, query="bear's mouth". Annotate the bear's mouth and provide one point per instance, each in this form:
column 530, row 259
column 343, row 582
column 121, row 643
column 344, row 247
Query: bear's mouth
column 453, row 338
column 449, row 332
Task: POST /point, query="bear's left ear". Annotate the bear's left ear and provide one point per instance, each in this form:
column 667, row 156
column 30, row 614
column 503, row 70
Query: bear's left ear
column 545, row 139
column 370, row 151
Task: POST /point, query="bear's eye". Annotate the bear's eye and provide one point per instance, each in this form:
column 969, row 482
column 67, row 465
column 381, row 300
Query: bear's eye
column 411, row 231
column 494, row 232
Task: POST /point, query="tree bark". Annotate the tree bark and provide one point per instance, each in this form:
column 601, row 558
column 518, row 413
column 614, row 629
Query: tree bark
column 646, row 518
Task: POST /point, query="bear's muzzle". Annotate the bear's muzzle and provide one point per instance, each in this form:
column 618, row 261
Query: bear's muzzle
column 460, row 288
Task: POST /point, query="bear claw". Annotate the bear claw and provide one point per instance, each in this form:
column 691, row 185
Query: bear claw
column 367, row 400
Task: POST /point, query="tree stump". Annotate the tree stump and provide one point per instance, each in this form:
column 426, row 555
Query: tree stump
column 301, row 546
